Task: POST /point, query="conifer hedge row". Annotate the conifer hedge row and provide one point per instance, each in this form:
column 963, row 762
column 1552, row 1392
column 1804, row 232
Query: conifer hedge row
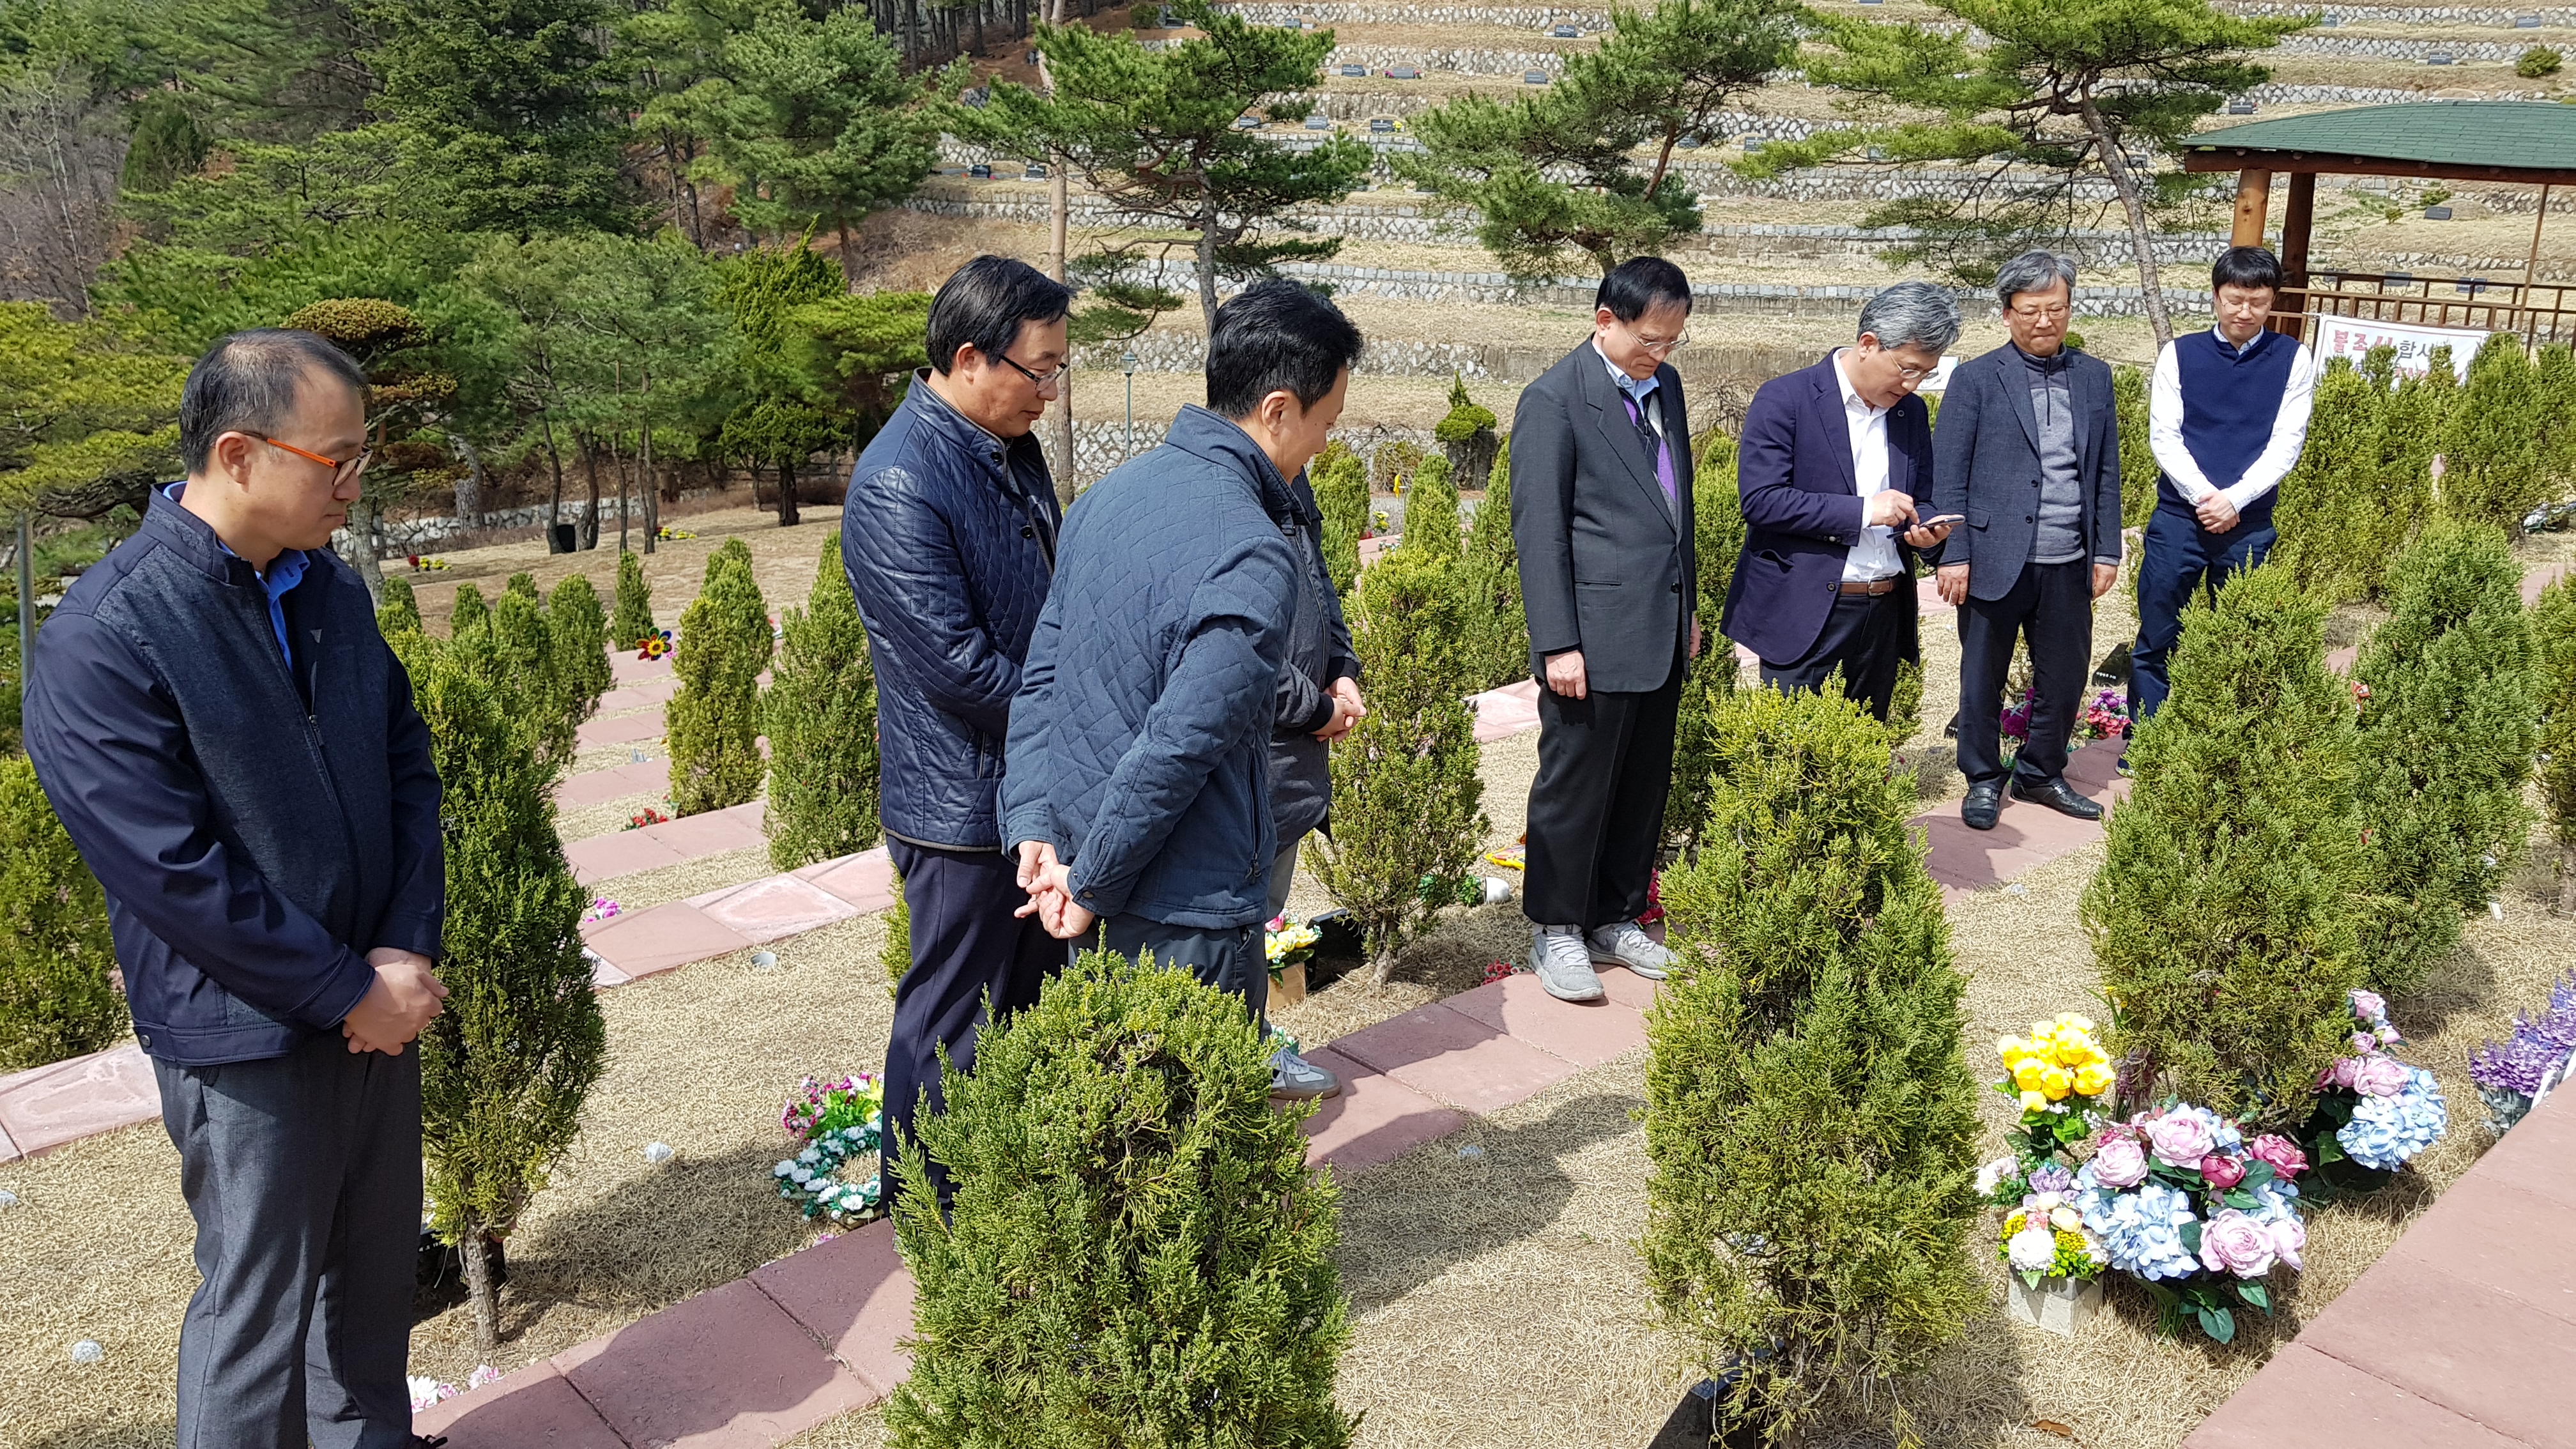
column 2553, row 647
column 55, row 954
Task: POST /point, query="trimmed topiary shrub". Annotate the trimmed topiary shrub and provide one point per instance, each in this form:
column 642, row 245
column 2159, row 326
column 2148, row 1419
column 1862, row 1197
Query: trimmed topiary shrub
column 2491, row 469
column 631, row 616
column 2138, row 471
column 1342, row 496
column 576, row 626
column 712, row 726
column 2446, row 739
column 506, row 1065
column 2538, row 62
column 1498, row 625
column 822, row 713
column 2222, row 918
column 399, row 610
column 468, row 613
column 2336, row 532
column 1717, row 515
column 1405, row 791
column 1809, row 1116
column 1138, row 1254
column 2553, row 653
column 2417, row 420
column 1467, row 434
column 514, row 655
column 55, row 997
column 523, row 584
column 2554, row 376
column 1431, row 511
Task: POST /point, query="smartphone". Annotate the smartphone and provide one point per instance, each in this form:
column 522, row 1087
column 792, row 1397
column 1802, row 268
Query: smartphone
column 1942, row 519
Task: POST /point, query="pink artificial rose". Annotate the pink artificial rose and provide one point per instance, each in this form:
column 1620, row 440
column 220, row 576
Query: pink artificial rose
column 2179, row 1139
column 2341, row 1074
column 2222, row 1172
column 2233, row 1242
column 2368, row 1005
column 2120, row 1162
column 2364, row 1043
column 2289, row 1236
column 2281, row 1152
column 2380, row 1077
column 2388, row 1036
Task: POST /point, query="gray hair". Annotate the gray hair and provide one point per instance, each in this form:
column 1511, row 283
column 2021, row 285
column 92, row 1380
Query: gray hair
column 1912, row 314
column 2032, row 272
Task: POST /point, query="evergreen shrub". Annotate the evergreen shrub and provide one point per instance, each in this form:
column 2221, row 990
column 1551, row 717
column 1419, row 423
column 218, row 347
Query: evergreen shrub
column 2446, row 739
column 400, row 609
column 712, row 726
column 2418, row 419
column 514, row 655
column 1431, row 510
column 1342, row 496
column 1717, row 537
column 1138, row 1254
column 1405, row 790
column 576, row 627
column 2491, row 470
column 2138, row 471
column 468, row 613
column 2554, row 378
column 523, row 584
column 1467, row 433
column 2336, row 531
column 55, row 997
column 2553, row 649
column 896, row 954
column 631, row 615
column 1810, row 1120
column 506, row 1065
column 2222, row 918
column 822, row 716
column 1498, row 625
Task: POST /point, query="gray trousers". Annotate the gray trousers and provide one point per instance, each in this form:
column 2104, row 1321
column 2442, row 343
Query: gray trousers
column 303, row 1173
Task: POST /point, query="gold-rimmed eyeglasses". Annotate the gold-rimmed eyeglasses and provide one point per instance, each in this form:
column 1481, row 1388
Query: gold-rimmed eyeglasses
column 1657, row 347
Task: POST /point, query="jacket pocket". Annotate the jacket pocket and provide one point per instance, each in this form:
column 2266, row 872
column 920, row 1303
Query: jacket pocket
column 1597, row 583
column 1976, row 518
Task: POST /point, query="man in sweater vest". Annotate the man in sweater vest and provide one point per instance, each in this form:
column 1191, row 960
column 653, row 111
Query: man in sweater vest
column 2227, row 415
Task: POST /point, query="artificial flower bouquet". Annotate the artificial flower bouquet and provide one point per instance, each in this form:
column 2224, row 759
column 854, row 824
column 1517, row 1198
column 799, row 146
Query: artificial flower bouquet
column 2514, row 1074
column 2106, row 715
column 1288, row 943
column 2373, row 1111
column 2183, row 1202
column 2059, row 1074
column 2045, row 1237
column 839, row 1122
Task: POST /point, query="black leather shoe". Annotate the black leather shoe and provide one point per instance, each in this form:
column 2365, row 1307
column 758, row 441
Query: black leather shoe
column 2056, row 796
column 1983, row 804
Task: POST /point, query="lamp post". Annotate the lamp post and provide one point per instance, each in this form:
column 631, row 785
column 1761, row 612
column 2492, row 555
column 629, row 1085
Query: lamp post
column 1127, row 365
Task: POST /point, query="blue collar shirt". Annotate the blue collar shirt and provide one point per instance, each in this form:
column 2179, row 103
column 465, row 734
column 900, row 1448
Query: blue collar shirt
column 284, row 572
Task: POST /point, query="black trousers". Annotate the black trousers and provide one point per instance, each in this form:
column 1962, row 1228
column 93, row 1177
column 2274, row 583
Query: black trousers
column 966, row 944
column 303, row 1173
column 1866, row 636
column 1229, row 958
column 2182, row 559
column 1596, row 810
column 2053, row 605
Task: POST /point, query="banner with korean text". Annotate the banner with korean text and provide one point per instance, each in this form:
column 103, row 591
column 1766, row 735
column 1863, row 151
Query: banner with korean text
column 2353, row 337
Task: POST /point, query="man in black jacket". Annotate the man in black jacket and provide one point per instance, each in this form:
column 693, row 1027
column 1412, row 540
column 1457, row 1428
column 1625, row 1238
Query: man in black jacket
column 235, row 752
column 1601, row 514
column 2028, row 448
column 948, row 536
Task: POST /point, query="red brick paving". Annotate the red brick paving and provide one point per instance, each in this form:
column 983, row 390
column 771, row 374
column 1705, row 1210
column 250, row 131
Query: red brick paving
column 726, row 1368
column 1374, row 1119
column 44, row 1107
column 853, row 1294
column 2303, row 1397
column 661, row 938
column 773, row 908
column 1587, row 1034
column 1454, row 1058
column 535, row 1406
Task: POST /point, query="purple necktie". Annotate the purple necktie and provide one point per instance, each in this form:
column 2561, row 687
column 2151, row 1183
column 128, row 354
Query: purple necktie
column 1663, row 455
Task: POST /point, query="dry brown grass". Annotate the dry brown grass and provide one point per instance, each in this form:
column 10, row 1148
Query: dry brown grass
column 783, row 561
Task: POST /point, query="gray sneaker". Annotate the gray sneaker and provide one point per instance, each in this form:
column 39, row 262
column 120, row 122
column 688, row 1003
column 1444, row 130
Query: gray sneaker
column 1564, row 968
column 1627, row 944
column 1295, row 1079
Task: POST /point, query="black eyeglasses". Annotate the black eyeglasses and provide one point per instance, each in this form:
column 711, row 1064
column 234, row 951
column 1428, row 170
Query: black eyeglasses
column 1043, row 380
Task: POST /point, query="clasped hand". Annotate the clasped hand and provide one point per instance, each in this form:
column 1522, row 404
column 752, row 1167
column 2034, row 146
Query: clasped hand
column 1049, row 883
column 406, row 994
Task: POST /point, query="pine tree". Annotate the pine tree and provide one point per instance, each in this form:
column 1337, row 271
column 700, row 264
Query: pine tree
column 1467, row 434
column 468, row 613
column 1138, row 1254
column 1342, row 496
column 1431, row 510
column 55, row 999
column 2336, row 532
column 1499, row 623
column 506, row 1065
column 822, row 713
column 400, row 609
column 1717, row 536
column 2491, row 470
column 2222, row 917
column 575, row 627
column 2445, row 746
column 712, row 726
column 2553, row 641
column 1806, row 1091
column 1405, row 790
column 631, row 617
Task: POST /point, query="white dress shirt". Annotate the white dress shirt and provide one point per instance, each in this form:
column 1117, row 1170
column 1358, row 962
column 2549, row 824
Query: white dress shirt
column 2279, row 456
column 1874, row 556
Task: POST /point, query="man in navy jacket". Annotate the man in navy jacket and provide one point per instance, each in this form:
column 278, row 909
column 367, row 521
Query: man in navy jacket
column 234, row 750
column 1138, row 793
column 948, row 537
column 1832, row 459
column 2029, row 451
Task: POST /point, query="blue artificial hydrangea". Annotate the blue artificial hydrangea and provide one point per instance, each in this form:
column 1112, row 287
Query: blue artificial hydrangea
column 2224, row 1135
column 2141, row 1229
column 2386, row 1131
column 2273, row 1200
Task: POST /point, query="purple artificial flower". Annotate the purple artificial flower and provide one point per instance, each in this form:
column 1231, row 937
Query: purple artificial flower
column 2537, row 1045
column 2369, row 1006
column 2120, row 1162
column 2364, row 1043
column 2342, row 1073
column 2052, row 1178
column 2180, row 1139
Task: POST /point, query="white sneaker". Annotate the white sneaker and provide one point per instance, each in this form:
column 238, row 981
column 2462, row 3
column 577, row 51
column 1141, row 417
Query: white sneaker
column 1627, row 944
column 1295, row 1079
column 1564, row 968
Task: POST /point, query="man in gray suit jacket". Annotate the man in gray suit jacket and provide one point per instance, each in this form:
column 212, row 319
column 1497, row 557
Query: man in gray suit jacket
column 2028, row 447
column 1601, row 514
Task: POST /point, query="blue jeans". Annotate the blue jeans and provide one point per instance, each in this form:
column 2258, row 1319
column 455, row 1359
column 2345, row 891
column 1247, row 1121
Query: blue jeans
column 2181, row 558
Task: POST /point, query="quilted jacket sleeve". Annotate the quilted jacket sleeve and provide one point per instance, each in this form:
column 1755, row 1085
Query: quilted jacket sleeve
column 911, row 586
column 1229, row 657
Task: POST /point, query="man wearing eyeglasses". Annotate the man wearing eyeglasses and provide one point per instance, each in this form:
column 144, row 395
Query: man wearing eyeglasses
column 1601, row 515
column 234, row 751
column 948, row 536
column 1832, row 459
column 2029, row 452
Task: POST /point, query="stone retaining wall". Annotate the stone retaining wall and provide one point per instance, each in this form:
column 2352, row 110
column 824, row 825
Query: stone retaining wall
column 2388, row 48
column 1590, row 21
column 405, row 536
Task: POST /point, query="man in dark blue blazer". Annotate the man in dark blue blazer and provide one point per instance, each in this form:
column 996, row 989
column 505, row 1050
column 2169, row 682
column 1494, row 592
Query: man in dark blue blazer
column 1832, row 459
column 2029, row 450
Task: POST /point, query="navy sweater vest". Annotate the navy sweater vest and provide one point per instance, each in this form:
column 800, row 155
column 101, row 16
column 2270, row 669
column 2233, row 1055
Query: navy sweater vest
column 2230, row 400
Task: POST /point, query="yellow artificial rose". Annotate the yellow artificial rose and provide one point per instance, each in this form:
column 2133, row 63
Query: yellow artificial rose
column 2030, row 1074
column 2012, row 1049
column 2079, row 1023
column 2093, row 1078
column 2074, row 1051
column 2034, row 1101
column 2043, row 1031
column 2056, row 1082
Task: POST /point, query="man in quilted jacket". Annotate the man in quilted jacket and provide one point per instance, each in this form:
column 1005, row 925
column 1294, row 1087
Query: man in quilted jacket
column 1138, row 795
column 949, row 537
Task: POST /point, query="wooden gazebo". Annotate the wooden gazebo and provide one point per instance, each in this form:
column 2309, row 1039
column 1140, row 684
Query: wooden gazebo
column 2528, row 143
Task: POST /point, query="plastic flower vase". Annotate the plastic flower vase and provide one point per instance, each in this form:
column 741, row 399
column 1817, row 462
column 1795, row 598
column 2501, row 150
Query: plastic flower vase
column 2062, row 1306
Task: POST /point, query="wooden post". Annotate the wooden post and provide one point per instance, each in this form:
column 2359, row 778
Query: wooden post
column 2296, row 218
column 2253, row 200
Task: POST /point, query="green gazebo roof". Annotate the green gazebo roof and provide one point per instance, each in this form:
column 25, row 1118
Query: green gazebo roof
column 2530, row 141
